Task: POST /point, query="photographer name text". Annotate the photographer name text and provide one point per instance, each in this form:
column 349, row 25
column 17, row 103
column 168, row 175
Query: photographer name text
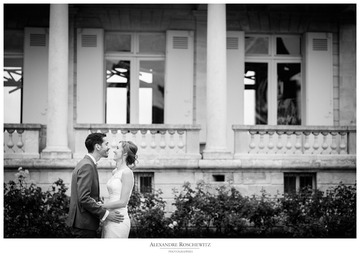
column 180, row 245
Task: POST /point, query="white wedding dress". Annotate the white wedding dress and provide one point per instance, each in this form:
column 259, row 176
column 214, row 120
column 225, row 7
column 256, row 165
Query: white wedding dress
column 111, row 229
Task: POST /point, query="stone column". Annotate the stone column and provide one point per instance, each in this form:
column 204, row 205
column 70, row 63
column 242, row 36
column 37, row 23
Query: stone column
column 347, row 74
column 216, row 84
column 57, row 112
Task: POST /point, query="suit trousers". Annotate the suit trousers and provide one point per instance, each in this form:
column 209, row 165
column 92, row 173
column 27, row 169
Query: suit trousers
column 84, row 233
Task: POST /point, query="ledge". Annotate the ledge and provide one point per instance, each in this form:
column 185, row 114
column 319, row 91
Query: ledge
column 258, row 162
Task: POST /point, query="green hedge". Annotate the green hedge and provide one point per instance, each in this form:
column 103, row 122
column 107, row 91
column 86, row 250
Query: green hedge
column 31, row 213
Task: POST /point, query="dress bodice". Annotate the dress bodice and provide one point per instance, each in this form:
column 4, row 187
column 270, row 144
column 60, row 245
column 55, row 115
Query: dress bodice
column 114, row 186
column 112, row 229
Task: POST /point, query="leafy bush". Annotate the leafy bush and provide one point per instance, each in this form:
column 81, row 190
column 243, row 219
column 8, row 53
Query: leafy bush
column 31, row 213
column 308, row 213
column 312, row 213
column 147, row 213
column 202, row 214
column 265, row 213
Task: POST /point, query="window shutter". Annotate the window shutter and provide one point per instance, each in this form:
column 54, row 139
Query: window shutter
column 90, row 76
column 318, row 79
column 179, row 77
column 235, row 82
column 35, row 76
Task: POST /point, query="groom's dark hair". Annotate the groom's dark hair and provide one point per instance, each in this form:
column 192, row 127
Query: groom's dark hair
column 93, row 139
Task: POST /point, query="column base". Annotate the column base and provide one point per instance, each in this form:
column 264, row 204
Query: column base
column 56, row 153
column 217, row 155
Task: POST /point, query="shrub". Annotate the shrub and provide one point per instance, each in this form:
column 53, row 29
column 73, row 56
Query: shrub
column 31, row 213
column 310, row 213
column 147, row 213
column 203, row 214
column 265, row 213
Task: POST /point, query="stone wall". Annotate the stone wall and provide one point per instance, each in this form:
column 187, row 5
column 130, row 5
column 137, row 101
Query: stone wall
column 248, row 181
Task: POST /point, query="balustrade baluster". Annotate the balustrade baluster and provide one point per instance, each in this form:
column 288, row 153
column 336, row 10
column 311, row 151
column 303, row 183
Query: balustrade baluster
column 307, row 144
column 113, row 142
column 333, row 144
column 298, row 143
column 343, row 143
column 153, row 143
column 288, row 142
column 261, row 143
column 252, row 144
column 271, row 142
column 181, row 140
column 124, row 133
column 104, row 130
column 134, row 139
column 316, row 144
column 162, row 140
column 279, row 144
column 143, row 139
column 10, row 143
column 171, row 143
column 324, row 145
column 20, row 143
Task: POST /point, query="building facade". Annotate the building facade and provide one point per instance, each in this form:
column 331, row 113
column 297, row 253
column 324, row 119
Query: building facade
column 259, row 96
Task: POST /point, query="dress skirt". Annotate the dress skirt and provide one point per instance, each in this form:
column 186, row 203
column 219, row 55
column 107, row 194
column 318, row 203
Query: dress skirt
column 117, row 230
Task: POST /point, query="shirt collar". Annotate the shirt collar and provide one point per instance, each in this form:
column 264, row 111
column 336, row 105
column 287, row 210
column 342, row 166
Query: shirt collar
column 92, row 158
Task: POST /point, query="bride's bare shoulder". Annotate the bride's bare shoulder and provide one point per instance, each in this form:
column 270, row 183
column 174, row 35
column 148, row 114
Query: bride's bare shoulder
column 127, row 171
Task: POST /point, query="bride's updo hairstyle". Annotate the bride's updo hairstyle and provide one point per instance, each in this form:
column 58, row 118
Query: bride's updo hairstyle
column 131, row 149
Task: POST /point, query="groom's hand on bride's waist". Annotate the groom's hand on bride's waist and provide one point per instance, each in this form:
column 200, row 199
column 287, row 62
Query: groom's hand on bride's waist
column 115, row 216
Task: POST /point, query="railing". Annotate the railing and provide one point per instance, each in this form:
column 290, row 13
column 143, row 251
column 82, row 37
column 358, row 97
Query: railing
column 182, row 141
column 266, row 139
column 153, row 141
column 22, row 140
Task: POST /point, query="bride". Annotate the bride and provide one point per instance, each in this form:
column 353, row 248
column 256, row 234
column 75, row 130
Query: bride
column 120, row 186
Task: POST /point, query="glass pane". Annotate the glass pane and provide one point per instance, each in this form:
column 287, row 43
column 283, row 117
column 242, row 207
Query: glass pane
column 152, row 44
column 289, row 184
column 256, row 84
column 288, row 45
column 117, row 42
column 306, row 181
column 12, row 104
column 13, row 79
column 289, row 94
column 13, row 41
column 151, row 92
column 145, row 185
column 117, row 92
column 256, row 45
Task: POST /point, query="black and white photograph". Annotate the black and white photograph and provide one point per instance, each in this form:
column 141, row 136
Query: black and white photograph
column 185, row 128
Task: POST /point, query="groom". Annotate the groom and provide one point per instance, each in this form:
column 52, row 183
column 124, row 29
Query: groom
column 85, row 214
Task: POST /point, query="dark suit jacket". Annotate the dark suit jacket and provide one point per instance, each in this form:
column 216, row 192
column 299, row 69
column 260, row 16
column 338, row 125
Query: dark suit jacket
column 84, row 213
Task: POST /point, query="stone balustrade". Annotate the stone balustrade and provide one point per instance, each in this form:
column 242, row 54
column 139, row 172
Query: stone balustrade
column 300, row 140
column 22, row 140
column 153, row 141
column 182, row 141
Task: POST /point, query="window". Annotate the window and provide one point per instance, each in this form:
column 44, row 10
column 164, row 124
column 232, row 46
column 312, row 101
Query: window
column 135, row 80
column 293, row 182
column 273, row 79
column 13, row 81
column 144, row 182
column 218, row 178
column 13, row 75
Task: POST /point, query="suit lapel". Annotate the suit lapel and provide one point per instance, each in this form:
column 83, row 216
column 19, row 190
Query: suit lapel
column 96, row 174
column 97, row 181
